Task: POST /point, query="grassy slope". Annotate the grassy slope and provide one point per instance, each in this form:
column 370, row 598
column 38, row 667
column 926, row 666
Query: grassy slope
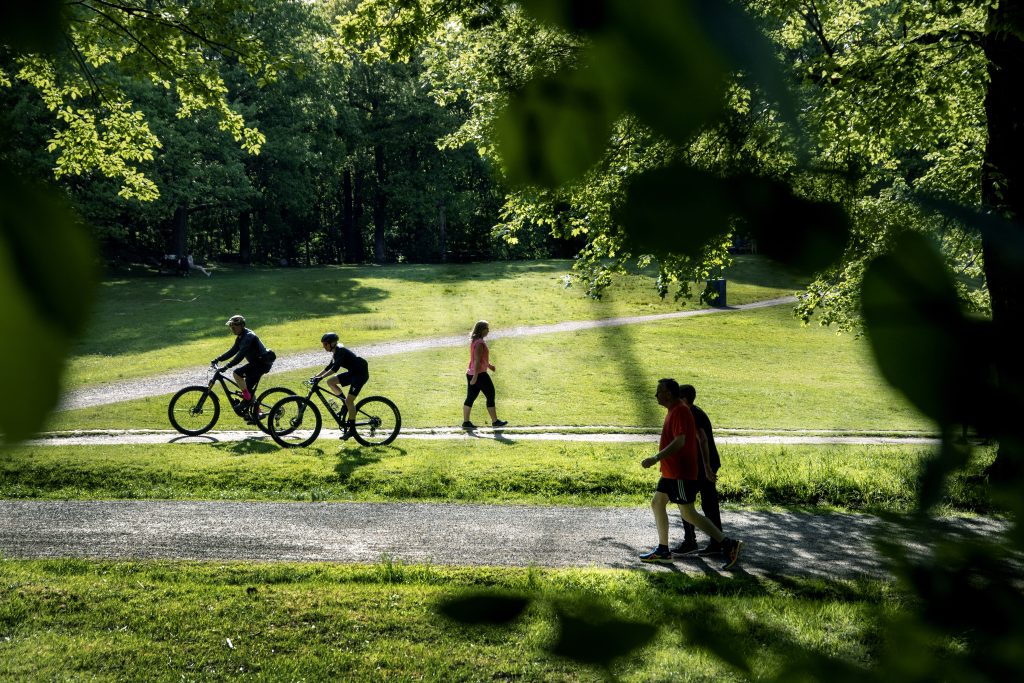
column 143, row 326
column 757, row 369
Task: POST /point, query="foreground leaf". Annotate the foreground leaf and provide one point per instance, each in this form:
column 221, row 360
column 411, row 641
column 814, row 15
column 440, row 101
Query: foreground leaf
column 47, row 282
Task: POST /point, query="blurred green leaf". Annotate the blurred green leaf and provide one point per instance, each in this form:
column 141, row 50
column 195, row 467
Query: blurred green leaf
column 935, row 471
column 806, row 234
column 915, row 326
column 31, row 25
column 47, row 282
column 1005, row 235
column 746, row 49
column 573, row 15
column 675, row 210
column 668, row 72
column 484, row 608
column 599, row 642
column 705, row 38
column 554, row 129
column 679, row 209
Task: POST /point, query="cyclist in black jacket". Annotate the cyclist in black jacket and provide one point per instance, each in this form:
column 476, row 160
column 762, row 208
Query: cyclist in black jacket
column 247, row 346
column 357, row 373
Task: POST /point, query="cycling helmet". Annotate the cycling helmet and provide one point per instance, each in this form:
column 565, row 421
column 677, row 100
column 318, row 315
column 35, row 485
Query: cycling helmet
column 236, row 320
column 329, row 337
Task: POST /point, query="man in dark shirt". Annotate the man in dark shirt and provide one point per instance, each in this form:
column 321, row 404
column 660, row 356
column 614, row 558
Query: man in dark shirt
column 357, row 373
column 248, row 347
column 708, row 464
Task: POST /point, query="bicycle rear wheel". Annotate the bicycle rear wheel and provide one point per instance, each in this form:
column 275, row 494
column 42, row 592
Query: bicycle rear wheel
column 193, row 410
column 294, row 422
column 377, row 421
column 263, row 405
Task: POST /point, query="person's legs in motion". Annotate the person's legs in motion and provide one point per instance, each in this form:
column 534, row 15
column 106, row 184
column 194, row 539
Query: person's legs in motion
column 709, row 508
column 240, row 381
column 661, row 554
column 730, row 547
column 489, row 394
column 472, row 391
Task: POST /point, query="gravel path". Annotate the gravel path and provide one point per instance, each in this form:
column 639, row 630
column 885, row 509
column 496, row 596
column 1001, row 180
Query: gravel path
column 775, row 543
column 170, row 382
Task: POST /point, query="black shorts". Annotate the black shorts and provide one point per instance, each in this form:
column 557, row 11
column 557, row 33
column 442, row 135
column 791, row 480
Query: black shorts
column 354, row 380
column 679, row 490
column 252, row 372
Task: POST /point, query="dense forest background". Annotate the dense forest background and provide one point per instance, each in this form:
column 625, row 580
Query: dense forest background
column 337, row 131
column 350, row 171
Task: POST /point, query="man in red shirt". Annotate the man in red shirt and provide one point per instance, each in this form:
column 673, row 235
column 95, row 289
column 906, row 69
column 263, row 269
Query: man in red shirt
column 678, row 484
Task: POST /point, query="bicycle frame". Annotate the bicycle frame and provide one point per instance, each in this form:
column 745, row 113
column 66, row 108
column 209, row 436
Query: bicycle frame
column 325, row 398
column 219, row 375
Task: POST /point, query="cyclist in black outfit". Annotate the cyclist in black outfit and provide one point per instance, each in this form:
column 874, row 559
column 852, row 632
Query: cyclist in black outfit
column 247, row 346
column 357, row 373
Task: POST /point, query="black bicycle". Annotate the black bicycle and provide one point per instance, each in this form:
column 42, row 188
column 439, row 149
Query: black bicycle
column 195, row 409
column 296, row 420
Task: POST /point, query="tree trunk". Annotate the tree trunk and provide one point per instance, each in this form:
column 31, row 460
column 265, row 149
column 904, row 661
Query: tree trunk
column 358, row 204
column 1003, row 194
column 379, row 218
column 245, row 237
column 179, row 231
column 442, row 230
column 350, row 242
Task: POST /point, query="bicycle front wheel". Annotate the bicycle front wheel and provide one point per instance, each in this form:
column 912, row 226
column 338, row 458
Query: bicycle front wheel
column 294, row 422
column 377, row 421
column 263, row 405
column 194, row 410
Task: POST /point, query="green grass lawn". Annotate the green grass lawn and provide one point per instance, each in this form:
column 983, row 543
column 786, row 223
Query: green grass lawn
column 144, row 326
column 755, row 369
column 75, row 619
column 163, row 621
column 855, row 478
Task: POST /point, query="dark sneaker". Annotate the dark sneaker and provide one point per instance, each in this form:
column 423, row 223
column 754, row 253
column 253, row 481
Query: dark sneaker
column 468, row 425
column 711, row 548
column 499, row 423
column 348, row 433
column 685, row 548
column 731, row 552
column 657, row 556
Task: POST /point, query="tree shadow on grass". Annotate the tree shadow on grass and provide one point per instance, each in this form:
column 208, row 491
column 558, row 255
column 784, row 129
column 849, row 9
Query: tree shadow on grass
column 191, row 309
column 248, row 446
column 351, row 458
column 466, row 272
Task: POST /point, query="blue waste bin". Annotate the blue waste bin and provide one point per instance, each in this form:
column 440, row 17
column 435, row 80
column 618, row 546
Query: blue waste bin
column 716, row 292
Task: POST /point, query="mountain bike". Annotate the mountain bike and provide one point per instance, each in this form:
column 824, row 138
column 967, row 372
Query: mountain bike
column 195, row 409
column 296, row 420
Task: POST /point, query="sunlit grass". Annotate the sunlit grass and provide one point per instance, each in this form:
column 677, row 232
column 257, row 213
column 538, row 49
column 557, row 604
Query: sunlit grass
column 162, row 621
column 856, row 478
column 753, row 369
column 144, row 326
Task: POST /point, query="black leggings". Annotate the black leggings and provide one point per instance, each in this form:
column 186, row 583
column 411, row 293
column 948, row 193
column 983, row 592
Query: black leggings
column 484, row 384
